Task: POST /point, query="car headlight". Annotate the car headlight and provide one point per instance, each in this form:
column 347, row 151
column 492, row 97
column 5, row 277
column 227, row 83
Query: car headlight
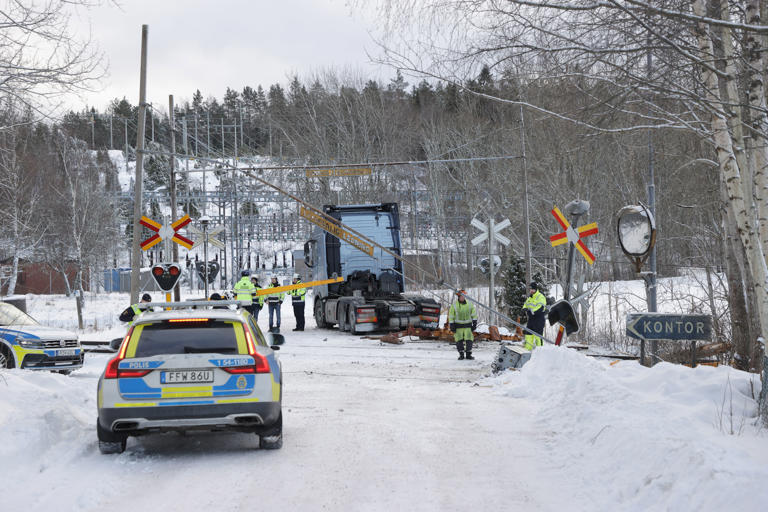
column 29, row 343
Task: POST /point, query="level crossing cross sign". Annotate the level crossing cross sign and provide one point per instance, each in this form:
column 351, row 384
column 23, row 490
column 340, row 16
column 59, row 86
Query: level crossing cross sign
column 163, row 231
column 573, row 236
column 495, row 232
column 207, row 236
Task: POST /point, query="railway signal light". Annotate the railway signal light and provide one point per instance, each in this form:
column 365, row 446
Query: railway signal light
column 166, row 275
column 562, row 313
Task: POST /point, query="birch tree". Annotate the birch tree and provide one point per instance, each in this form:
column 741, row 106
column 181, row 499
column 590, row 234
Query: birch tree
column 40, row 56
column 641, row 66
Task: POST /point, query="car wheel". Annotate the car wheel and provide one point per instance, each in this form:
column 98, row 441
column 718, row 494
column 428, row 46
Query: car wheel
column 107, row 448
column 109, row 442
column 6, row 359
column 272, row 439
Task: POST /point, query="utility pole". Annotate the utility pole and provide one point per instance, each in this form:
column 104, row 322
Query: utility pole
column 125, row 121
column 186, row 164
column 235, row 212
column 174, row 213
column 651, row 278
column 137, row 187
column 528, row 272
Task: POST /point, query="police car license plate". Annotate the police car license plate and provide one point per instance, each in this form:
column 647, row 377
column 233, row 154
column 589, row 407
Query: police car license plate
column 68, row 352
column 186, row 376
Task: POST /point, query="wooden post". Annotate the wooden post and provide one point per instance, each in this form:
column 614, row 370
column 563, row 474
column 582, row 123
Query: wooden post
column 137, row 187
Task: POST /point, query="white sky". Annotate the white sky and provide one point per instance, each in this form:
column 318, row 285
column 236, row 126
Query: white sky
column 212, row 45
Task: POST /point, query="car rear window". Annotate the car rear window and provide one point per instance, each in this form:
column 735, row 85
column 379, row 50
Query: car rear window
column 217, row 337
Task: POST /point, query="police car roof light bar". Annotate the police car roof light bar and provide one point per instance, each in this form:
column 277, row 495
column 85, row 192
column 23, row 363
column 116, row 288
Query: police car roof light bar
column 195, row 303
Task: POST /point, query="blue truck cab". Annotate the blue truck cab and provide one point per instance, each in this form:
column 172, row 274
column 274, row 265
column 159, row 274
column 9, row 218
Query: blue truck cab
column 372, row 296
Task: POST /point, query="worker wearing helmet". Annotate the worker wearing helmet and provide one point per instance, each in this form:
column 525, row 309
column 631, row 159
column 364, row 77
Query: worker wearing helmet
column 258, row 300
column 134, row 310
column 244, row 289
column 463, row 320
column 535, row 308
column 297, row 298
column 274, row 300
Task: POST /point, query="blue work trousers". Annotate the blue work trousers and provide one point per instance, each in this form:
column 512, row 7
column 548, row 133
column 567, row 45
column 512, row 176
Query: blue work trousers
column 274, row 308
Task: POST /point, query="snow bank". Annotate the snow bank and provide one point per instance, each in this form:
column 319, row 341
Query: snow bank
column 662, row 438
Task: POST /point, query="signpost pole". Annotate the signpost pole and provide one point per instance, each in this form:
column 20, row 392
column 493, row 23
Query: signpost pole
column 205, row 255
column 167, row 250
column 491, row 288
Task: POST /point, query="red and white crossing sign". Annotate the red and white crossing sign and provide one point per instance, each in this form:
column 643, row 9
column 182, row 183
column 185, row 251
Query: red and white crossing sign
column 163, row 231
column 573, row 236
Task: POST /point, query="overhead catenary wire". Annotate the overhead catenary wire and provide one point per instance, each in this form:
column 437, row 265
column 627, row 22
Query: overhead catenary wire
column 424, row 272
column 293, row 167
column 249, row 171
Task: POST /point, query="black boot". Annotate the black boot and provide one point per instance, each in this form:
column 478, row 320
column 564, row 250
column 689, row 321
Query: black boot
column 461, row 356
column 469, row 356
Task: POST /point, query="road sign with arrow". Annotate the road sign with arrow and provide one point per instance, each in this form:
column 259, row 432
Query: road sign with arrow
column 659, row 326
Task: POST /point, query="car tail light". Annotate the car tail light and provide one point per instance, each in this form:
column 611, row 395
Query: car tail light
column 240, row 369
column 111, row 372
column 431, row 311
column 260, row 365
column 112, row 366
column 122, row 374
column 187, row 320
column 365, row 315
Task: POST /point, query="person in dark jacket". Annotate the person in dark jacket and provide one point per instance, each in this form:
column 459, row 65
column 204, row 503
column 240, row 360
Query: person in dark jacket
column 274, row 300
column 134, row 310
column 535, row 307
column 297, row 299
column 258, row 300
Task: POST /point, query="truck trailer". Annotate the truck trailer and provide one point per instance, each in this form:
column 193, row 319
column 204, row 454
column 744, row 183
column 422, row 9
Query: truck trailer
column 372, row 296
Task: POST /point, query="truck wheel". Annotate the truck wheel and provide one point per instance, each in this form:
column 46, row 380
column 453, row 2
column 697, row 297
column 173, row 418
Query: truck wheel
column 6, row 358
column 352, row 320
column 320, row 315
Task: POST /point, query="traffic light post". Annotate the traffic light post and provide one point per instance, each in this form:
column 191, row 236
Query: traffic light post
column 166, row 275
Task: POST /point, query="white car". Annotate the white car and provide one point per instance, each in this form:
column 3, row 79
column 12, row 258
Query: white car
column 24, row 343
column 191, row 369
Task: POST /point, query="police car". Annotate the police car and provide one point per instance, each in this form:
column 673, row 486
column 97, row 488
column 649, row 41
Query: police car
column 192, row 369
column 24, row 343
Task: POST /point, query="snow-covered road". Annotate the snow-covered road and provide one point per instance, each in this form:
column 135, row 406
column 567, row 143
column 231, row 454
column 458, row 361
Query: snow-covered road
column 373, row 426
column 368, row 426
